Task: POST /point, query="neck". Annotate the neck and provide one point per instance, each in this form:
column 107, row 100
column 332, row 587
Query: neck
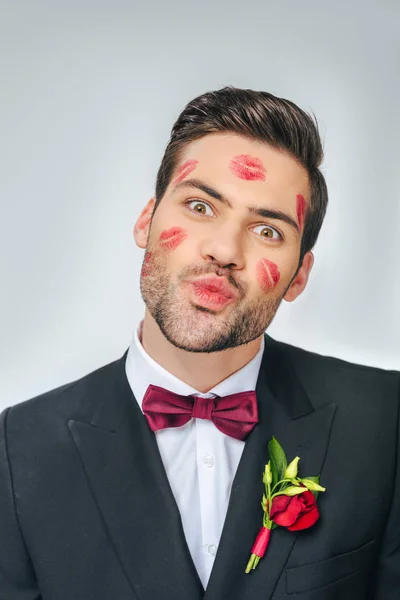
column 203, row 371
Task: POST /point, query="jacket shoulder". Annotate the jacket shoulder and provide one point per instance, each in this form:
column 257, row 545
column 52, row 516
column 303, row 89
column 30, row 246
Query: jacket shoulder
column 310, row 359
column 328, row 378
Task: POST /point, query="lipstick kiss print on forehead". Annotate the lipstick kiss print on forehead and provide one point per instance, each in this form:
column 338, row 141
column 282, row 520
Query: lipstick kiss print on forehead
column 171, row 238
column 184, row 170
column 301, row 209
column 267, row 274
column 249, row 168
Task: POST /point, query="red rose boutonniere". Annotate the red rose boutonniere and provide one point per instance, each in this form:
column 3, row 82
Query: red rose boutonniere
column 289, row 501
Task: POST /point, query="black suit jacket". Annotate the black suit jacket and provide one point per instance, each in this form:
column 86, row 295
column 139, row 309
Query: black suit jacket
column 87, row 513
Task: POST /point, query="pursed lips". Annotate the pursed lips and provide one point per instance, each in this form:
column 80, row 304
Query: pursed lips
column 215, row 285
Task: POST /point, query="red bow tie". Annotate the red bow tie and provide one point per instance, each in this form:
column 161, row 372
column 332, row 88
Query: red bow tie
column 235, row 415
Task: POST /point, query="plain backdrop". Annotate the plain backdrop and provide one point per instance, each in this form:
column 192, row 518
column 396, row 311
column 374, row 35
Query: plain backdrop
column 89, row 91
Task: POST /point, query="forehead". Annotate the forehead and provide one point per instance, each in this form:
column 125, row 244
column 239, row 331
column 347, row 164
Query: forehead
column 214, row 153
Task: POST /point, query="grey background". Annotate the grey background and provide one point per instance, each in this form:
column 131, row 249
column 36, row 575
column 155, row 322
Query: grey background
column 89, row 92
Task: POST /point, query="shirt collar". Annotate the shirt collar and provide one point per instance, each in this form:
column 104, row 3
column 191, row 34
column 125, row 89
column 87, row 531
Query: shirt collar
column 142, row 370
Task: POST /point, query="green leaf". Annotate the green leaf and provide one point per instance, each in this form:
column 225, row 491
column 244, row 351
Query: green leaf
column 264, row 503
column 292, row 469
column 313, row 485
column 278, row 460
column 316, row 480
column 293, row 490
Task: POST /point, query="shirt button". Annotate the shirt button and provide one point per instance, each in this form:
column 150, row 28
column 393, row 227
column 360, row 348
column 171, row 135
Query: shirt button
column 212, row 549
column 208, row 460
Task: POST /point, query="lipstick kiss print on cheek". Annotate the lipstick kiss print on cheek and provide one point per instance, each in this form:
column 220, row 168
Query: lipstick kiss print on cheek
column 301, row 209
column 267, row 274
column 249, row 168
column 171, row 238
column 184, row 170
column 147, row 264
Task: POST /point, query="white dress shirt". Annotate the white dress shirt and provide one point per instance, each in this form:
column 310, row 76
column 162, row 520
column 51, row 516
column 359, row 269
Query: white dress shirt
column 200, row 461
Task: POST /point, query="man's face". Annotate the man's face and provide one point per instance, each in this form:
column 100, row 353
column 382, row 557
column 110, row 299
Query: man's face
column 207, row 231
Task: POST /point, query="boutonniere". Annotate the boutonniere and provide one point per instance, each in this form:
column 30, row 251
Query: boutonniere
column 289, row 501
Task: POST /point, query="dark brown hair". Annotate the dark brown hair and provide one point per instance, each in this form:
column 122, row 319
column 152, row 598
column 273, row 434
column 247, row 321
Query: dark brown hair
column 260, row 116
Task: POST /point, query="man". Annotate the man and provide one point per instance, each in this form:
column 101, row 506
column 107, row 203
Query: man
column 133, row 483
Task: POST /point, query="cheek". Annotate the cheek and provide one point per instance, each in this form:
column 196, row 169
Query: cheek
column 147, row 264
column 249, row 168
column 267, row 274
column 171, row 238
column 184, row 170
column 301, row 209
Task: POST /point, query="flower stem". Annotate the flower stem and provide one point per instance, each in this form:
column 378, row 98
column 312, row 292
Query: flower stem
column 250, row 564
column 279, row 482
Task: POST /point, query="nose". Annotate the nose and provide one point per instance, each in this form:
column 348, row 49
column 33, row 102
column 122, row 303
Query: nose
column 225, row 246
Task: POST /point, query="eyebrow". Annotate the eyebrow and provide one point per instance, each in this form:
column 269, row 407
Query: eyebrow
column 266, row 213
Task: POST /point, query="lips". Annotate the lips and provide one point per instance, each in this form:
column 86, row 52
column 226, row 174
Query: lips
column 215, row 285
column 301, row 208
column 247, row 167
column 171, row 238
column 268, row 274
column 212, row 293
column 185, row 169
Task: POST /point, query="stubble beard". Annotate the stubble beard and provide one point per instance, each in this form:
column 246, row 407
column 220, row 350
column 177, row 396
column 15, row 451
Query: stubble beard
column 189, row 327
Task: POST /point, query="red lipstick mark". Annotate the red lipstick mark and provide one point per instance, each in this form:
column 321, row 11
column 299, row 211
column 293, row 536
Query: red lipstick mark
column 147, row 264
column 171, row 238
column 247, row 167
column 301, row 209
column 184, row 170
column 267, row 274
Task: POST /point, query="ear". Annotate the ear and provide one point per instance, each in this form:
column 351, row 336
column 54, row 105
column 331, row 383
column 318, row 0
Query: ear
column 300, row 281
column 142, row 225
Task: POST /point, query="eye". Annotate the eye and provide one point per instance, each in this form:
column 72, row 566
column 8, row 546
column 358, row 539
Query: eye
column 269, row 232
column 199, row 207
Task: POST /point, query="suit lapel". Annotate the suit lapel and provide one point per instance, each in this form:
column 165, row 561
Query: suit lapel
column 286, row 413
column 128, row 480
